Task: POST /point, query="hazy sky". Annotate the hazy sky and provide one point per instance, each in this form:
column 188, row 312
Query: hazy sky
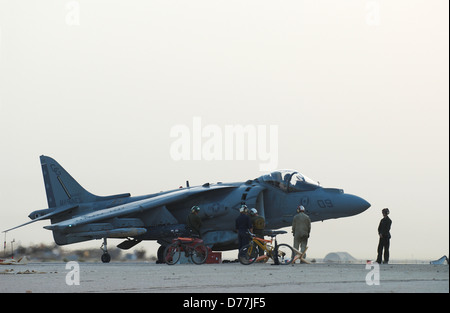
column 358, row 91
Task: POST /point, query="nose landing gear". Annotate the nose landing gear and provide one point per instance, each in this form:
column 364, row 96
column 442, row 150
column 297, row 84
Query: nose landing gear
column 106, row 257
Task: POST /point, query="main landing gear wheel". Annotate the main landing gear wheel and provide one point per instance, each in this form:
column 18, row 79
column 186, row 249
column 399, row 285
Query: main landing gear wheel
column 160, row 255
column 106, row 257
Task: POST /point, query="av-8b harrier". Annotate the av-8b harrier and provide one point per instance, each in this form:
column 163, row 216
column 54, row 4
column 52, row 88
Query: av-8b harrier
column 77, row 215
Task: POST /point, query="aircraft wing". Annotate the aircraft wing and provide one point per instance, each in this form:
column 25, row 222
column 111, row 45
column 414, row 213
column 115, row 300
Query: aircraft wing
column 133, row 207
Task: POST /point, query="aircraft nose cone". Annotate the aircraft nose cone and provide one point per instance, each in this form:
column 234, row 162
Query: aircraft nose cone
column 356, row 205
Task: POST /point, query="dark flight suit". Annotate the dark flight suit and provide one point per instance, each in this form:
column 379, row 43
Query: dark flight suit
column 194, row 223
column 385, row 236
column 243, row 224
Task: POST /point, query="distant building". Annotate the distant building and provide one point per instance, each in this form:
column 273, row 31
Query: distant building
column 339, row 257
column 442, row 260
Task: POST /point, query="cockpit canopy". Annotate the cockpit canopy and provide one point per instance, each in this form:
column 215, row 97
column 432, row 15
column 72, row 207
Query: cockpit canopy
column 289, row 181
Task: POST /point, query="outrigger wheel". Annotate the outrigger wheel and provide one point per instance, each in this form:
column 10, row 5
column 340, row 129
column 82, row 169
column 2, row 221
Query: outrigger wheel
column 106, row 257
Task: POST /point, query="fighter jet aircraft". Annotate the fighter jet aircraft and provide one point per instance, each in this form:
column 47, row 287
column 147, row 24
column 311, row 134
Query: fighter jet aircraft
column 77, row 215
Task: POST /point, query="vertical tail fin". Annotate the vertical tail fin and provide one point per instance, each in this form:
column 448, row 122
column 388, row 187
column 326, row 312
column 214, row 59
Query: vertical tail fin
column 60, row 187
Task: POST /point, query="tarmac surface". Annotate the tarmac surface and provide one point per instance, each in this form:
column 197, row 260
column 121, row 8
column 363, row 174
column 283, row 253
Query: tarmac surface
column 143, row 277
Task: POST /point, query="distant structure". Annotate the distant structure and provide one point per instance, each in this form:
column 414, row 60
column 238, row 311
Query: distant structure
column 339, row 257
column 442, row 260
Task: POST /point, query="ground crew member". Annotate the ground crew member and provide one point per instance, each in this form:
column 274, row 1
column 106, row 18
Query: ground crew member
column 301, row 227
column 243, row 225
column 194, row 222
column 258, row 224
column 385, row 236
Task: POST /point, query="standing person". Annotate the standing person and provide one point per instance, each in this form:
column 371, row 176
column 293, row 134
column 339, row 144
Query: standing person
column 258, row 224
column 194, row 222
column 243, row 225
column 301, row 227
column 385, row 236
